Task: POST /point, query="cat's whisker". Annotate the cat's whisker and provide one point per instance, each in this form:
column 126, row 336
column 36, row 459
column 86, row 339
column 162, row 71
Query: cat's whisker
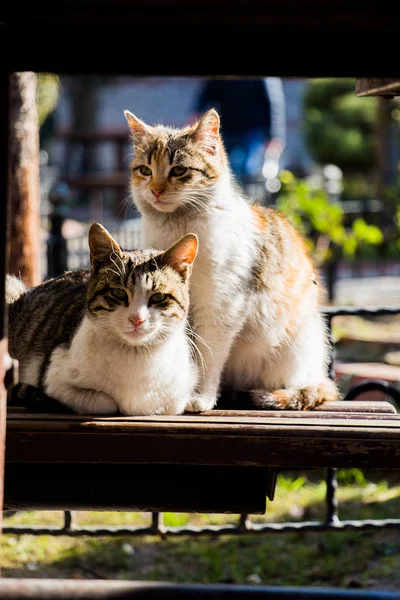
column 197, row 205
column 144, row 142
column 115, row 264
column 122, row 263
column 112, row 270
column 125, row 204
column 196, row 200
column 199, row 338
column 130, row 155
column 199, row 354
column 147, row 348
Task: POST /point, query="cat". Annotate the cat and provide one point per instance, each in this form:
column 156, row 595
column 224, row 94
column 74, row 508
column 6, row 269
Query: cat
column 112, row 338
column 255, row 291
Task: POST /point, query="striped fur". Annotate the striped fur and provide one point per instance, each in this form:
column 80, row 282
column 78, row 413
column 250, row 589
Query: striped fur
column 254, row 299
column 110, row 338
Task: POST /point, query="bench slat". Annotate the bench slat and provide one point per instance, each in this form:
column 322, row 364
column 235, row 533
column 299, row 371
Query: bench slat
column 349, row 407
column 246, row 418
column 79, row 423
column 265, row 442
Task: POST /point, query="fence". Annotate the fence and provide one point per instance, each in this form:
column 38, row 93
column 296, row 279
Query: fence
column 78, row 249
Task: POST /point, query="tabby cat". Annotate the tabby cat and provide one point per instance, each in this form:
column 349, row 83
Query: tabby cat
column 255, row 293
column 112, row 338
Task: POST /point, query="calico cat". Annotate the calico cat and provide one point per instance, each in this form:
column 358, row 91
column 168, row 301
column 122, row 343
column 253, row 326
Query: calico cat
column 255, row 293
column 110, row 338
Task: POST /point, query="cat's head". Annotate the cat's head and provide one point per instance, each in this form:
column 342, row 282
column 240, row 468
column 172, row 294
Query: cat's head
column 176, row 168
column 140, row 296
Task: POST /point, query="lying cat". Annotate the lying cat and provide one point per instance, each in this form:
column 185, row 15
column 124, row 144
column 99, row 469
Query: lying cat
column 110, row 338
column 255, row 294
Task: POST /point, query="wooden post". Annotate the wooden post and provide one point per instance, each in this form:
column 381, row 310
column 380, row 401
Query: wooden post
column 4, row 189
column 377, row 86
column 24, row 188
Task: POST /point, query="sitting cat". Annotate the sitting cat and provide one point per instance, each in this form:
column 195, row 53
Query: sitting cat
column 110, row 338
column 255, row 294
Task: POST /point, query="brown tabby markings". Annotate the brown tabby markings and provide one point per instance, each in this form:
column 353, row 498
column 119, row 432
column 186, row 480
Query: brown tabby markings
column 48, row 316
column 174, row 148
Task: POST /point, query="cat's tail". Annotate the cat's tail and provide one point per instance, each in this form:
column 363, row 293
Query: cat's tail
column 15, row 287
column 305, row 398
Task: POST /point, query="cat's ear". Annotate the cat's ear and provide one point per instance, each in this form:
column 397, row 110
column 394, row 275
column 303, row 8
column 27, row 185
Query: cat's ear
column 137, row 126
column 181, row 255
column 207, row 131
column 102, row 246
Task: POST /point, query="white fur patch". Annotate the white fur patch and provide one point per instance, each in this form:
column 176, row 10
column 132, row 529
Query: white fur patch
column 98, row 374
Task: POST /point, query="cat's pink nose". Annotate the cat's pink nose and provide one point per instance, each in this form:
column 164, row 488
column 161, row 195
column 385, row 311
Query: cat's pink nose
column 136, row 321
column 158, row 193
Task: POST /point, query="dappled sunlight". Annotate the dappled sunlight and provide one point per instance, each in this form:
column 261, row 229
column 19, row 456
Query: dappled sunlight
column 32, row 553
column 41, row 518
column 109, row 519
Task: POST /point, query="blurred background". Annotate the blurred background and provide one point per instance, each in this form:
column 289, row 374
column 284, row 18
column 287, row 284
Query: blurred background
column 328, row 159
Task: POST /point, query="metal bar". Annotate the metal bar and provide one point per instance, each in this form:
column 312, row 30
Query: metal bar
column 251, row 528
column 332, row 505
column 331, row 501
column 376, row 311
column 68, row 520
column 378, row 385
column 244, row 523
column 157, row 524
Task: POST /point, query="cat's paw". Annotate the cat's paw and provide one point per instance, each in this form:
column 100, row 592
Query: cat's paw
column 201, row 402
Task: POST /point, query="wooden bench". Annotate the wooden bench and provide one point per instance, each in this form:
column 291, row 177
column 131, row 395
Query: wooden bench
column 216, row 461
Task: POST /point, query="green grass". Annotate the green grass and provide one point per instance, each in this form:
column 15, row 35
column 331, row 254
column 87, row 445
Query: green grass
column 339, row 559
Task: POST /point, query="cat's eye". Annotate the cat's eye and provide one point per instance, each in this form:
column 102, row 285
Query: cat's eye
column 177, row 171
column 157, row 298
column 145, row 170
column 119, row 294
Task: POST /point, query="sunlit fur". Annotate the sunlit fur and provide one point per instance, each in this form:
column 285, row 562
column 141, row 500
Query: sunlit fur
column 96, row 341
column 255, row 294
